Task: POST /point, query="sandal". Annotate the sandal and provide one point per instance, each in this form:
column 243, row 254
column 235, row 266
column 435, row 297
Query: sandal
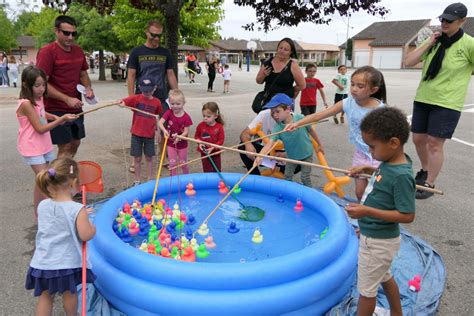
column 131, row 169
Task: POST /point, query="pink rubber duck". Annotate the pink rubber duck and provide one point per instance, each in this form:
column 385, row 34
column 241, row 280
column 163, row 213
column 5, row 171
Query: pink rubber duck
column 190, row 189
column 222, row 187
column 299, row 206
column 133, row 227
column 126, row 208
column 148, row 214
column 209, row 242
column 415, row 284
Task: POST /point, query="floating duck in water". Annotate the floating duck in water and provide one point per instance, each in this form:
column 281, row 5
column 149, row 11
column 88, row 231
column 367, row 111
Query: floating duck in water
column 203, row 230
column 257, row 237
column 299, row 206
column 190, row 189
column 188, row 254
column 223, row 189
column 233, row 228
column 133, row 227
column 202, row 252
column 209, row 242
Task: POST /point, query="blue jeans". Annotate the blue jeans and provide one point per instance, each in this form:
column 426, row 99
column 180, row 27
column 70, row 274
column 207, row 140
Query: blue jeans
column 4, row 75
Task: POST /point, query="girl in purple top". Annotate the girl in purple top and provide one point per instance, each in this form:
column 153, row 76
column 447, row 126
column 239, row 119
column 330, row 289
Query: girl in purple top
column 174, row 122
column 34, row 139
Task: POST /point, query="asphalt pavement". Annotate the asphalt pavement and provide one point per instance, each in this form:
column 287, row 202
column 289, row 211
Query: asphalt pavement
column 445, row 221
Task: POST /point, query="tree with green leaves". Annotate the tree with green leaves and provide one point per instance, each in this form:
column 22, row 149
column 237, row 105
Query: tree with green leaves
column 42, row 27
column 349, row 49
column 96, row 33
column 7, row 34
column 292, row 13
column 168, row 11
column 23, row 20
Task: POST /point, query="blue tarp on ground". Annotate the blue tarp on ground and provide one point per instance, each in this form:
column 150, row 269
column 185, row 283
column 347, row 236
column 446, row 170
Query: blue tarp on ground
column 416, row 257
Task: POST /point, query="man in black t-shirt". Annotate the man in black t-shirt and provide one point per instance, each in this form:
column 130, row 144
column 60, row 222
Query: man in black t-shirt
column 152, row 61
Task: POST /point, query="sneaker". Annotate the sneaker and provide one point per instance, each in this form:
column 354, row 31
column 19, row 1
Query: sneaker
column 421, row 194
column 421, row 177
column 342, row 119
column 335, row 120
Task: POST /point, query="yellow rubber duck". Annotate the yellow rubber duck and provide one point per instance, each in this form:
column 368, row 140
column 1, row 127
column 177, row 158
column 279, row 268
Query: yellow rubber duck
column 257, row 237
column 203, row 230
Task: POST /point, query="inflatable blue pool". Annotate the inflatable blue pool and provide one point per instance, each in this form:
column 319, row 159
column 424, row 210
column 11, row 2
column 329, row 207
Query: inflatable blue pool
column 304, row 266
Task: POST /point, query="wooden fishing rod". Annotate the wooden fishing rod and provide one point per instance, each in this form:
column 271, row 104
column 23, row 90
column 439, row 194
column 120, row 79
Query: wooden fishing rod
column 240, row 144
column 418, row 187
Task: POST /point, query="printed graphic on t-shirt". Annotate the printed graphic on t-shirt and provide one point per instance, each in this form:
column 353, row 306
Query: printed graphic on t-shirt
column 370, row 186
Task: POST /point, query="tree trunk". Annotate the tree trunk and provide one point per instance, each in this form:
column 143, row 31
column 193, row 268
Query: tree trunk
column 101, row 65
column 172, row 26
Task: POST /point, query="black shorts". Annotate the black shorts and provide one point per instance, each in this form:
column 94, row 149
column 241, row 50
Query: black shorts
column 434, row 120
column 69, row 131
column 142, row 145
column 308, row 109
column 338, row 97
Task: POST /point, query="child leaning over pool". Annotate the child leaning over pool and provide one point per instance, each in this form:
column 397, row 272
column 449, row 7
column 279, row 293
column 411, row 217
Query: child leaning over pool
column 297, row 144
column 389, row 199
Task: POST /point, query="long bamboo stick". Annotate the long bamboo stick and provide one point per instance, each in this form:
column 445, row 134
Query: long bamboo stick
column 158, row 175
column 99, row 107
column 240, row 144
column 140, row 111
column 345, row 171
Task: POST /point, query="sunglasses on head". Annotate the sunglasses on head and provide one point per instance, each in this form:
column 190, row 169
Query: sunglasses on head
column 67, row 33
column 155, row 35
column 446, row 20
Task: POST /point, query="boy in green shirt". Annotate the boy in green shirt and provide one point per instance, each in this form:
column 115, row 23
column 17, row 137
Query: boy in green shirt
column 389, row 199
column 298, row 145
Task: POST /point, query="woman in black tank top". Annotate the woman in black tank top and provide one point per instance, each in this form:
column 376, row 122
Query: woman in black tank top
column 280, row 74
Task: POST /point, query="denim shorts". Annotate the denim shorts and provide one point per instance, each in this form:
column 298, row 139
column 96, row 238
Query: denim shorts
column 39, row 160
column 141, row 145
column 434, row 120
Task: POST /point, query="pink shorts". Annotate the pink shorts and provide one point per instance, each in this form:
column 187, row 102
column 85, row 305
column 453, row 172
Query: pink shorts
column 360, row 159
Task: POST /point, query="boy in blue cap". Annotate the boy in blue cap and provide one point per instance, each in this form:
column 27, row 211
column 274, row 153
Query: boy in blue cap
column 144, row 126
column 297, row 143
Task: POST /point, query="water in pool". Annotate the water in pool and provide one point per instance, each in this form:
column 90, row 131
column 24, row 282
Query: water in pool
column 284, row 230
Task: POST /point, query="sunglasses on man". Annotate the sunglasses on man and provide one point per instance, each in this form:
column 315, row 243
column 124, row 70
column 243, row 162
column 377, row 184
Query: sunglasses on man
column 446, row 20
column 154, row 35
column 67, row 33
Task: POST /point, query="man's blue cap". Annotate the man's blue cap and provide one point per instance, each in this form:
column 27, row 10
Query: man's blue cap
column 279, row 98
column 146, row 85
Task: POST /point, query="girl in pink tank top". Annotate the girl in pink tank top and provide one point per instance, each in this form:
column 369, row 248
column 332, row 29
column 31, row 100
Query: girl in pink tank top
column 34, row 140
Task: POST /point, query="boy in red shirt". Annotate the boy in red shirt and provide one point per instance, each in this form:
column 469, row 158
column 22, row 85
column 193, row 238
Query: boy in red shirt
column 308, row 94
column 144, row 126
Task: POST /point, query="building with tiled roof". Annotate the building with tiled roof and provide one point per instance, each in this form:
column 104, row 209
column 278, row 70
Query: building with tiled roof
column 384, row 45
